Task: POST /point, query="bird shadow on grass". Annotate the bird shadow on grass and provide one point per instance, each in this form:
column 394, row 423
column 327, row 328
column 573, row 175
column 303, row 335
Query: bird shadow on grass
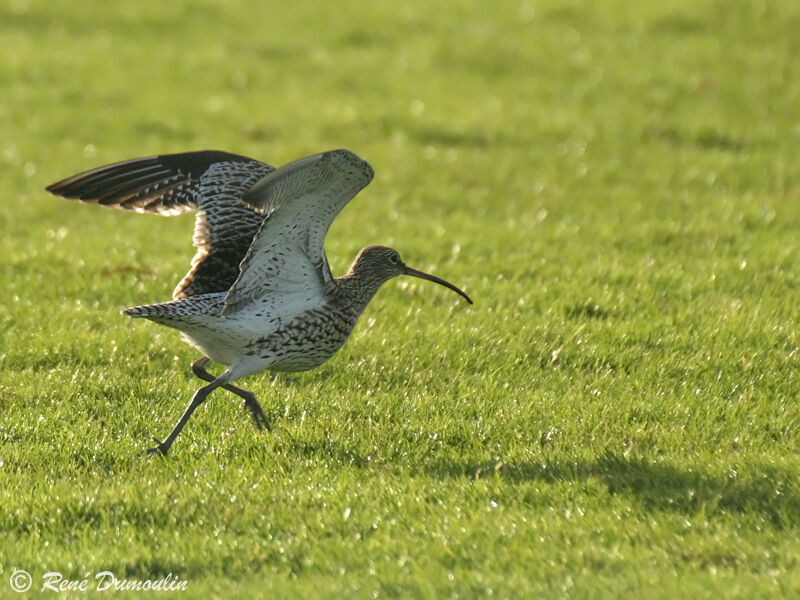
column 758, row 490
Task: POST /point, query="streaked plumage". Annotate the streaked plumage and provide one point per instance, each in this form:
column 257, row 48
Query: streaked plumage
column 213, row 183
column 260, row 295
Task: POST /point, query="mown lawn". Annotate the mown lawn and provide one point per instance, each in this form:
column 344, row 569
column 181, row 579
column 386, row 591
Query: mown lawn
column 617, row 186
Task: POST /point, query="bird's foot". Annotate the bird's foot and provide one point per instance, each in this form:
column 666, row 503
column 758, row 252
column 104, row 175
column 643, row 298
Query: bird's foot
column 161, row 448
column 261, row 421
column 259, row 417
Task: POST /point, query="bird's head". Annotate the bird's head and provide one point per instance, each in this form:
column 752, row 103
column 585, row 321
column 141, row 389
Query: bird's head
column 380, row 264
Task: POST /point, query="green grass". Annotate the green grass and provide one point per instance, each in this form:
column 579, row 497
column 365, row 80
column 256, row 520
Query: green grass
column 616, row 184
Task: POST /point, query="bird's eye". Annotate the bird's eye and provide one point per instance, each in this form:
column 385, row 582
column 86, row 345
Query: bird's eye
column 394, row 259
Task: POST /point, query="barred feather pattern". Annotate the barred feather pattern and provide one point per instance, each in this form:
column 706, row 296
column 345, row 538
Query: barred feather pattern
column 213, row 182
column 179, row 311
column 224, row 228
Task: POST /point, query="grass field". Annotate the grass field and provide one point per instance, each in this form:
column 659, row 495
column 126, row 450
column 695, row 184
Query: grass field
column 616, row 185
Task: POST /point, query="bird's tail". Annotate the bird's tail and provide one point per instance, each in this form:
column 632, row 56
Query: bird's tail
column 149, row 310
column 179, row 310
column 171, row 314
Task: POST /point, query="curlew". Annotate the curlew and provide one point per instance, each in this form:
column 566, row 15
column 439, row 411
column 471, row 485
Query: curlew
column 259, row 295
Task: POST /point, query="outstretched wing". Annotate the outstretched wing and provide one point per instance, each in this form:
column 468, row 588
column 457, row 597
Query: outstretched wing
column 212, row 182
column 287, row 257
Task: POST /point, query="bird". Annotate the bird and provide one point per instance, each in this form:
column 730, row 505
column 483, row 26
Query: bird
column 259, row 295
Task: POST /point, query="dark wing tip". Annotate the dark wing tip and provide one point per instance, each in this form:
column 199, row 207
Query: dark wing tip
column 62, row 188
column 166, row 184
column 87, row 184
column 141, row 171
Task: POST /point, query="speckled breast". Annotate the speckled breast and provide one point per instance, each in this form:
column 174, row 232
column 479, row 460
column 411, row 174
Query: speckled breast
column 306, row 341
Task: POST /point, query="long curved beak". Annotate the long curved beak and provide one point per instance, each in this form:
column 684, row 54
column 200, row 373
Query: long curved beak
column 447, row 284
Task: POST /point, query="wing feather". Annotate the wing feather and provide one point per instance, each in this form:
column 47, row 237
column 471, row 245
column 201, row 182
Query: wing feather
column 287, row 256
column 213, row 182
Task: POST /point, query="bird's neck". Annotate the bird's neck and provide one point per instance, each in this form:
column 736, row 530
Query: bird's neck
column 353, row 290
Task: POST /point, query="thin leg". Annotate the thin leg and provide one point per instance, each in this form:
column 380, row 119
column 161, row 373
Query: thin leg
column 199, row 369
column 198, row 398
